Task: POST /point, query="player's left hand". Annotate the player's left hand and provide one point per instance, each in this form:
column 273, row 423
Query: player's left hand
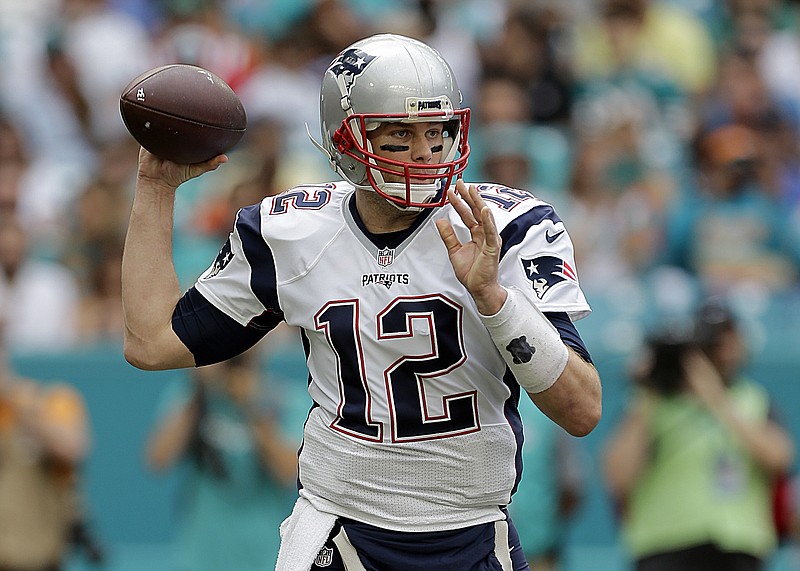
column 476, row 262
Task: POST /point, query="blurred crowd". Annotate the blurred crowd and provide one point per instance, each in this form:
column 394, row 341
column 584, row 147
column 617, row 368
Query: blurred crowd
column 666, row 131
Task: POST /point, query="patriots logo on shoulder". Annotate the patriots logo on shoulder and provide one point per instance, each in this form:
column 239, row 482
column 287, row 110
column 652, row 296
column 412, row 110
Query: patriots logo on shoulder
column 546, row 272
column 223, row 259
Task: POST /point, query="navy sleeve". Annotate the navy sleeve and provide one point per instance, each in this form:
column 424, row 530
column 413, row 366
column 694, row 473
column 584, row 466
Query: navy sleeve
column 568, row 333
column 211, row 335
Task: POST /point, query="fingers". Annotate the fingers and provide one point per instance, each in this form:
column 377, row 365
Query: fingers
column 490, row 233
column 197, row 169
column 209, row 165
column 461, row 206
column 475, row 214
column 448, row 235
column 214, row 162
column 472, row 198
column 170, row 174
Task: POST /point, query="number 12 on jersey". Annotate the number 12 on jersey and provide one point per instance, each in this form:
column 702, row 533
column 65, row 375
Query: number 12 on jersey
column 406, row 379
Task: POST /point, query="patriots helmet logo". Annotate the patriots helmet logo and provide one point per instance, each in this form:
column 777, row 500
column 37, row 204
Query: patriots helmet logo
column 546, row 272
column 223, row 259
column 351, row 62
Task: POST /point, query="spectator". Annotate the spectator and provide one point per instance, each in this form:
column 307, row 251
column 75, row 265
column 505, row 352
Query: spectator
column 25, row 191
column 441, row 25
column 240, row 474
column 257, row 158
column 646, row 38
column 502, row 99
column 96, row 51
column 530, row 50
column 44, row 439
column 94, row 249
column 38, row 298
column 510, row 149
column 506, row 157
column 733, row 205
column 197, row 32
column 100, row 314
column 779, row 58
column 693, row 463
column 620, row 196
column 12, row 173
column 741, row 96
column 289, row 72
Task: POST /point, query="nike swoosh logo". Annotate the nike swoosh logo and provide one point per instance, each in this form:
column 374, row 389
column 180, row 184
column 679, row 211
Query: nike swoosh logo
column 552, row 237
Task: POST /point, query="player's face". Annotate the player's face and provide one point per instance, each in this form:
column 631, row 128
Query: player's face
column 418, row 143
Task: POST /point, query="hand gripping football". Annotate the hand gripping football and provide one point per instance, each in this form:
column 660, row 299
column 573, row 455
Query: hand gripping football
column 183, row 113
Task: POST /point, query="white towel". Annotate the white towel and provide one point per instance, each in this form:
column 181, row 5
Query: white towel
column 303, row 534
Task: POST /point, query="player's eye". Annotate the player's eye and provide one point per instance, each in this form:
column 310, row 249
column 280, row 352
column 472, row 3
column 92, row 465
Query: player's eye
column 435, row 134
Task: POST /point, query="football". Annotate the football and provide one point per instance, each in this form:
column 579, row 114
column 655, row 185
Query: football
column 183, row 113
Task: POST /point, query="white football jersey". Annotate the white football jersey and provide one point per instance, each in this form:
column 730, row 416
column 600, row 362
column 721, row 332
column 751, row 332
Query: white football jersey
column 414, row 426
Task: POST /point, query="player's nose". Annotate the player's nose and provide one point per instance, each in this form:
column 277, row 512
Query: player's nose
column 421, row 150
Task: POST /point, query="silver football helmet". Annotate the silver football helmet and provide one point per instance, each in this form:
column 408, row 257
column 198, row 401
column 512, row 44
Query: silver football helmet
column 397, row 79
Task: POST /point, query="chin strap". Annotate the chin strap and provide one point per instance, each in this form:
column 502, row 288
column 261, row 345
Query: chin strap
column 398, row 190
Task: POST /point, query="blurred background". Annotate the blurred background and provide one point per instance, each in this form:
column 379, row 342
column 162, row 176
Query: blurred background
column 665, row 132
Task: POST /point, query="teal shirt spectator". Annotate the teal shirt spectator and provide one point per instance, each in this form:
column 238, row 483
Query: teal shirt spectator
column 735, row 237
column 229, row 510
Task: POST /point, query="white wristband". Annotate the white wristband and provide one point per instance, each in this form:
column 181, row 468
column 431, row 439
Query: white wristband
column 528, row 342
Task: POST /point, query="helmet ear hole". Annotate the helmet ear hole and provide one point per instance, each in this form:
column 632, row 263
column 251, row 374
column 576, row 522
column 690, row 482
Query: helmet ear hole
column 451, row 128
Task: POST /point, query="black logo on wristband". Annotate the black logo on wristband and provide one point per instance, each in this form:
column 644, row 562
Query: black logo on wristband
column 520, row 350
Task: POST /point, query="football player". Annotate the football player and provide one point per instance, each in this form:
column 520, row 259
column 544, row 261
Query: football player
column 426, row 307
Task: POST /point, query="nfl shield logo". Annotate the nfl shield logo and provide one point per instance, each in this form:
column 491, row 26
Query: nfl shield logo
column 385, row 257
column 324, row 557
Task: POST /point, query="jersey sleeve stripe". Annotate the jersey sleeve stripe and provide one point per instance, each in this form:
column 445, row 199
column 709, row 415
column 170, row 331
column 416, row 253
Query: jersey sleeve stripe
column 263, row 276
column 515, row 231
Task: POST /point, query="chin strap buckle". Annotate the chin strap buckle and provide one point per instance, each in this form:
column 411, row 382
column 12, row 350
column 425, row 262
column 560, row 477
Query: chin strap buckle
column 342, row 140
